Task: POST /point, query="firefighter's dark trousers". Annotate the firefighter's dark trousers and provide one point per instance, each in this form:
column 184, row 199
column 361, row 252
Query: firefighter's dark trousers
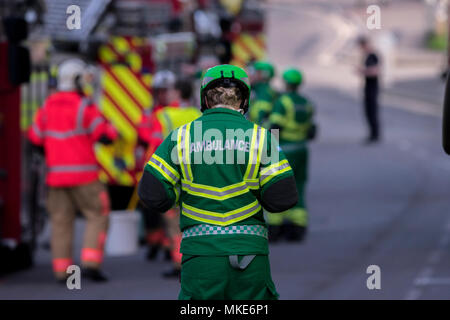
column 371, row 109
column 63, row 203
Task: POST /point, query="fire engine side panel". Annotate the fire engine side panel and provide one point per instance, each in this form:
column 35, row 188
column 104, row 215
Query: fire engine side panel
column 10, row 158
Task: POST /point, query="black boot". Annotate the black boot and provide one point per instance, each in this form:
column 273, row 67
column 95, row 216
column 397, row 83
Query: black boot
column 296, row 233
column 275, row 233
column 94, row 274
column 167, row 255
column 152, row 252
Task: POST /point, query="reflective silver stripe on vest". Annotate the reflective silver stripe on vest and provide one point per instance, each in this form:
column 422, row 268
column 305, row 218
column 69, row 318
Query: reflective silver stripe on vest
column 207, row 230
column 255, row 153
column 273, row 170
column 73, row 168
column 252, row 184
column 212, row 192
column 222, row 219
column 184, row 153
column 79, row 130
column 163, row 168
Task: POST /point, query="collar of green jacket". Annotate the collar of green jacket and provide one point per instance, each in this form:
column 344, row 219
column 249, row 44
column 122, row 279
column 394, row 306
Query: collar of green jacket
column 223, row 110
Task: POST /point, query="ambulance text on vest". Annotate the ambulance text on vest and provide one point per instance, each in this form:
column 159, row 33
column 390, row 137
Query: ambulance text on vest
column 211, row 147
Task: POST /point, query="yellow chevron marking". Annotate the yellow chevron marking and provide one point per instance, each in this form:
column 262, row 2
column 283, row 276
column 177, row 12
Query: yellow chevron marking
column 106, row 159
column 255, row 49
column 120, row 44
column 113, row 115
column 121, row 98
column 106, row 54
column 129, row 80
column 240, row 52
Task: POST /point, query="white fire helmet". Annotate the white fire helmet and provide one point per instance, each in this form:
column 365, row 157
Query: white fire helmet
column 164, row 79
column 68, row 71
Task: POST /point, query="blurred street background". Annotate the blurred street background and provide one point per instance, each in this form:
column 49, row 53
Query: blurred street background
column 384, row 204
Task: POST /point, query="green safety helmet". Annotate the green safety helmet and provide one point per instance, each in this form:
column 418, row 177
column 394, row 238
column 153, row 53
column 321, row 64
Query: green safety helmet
column 265, row 67
column 292, row 76
column 226, row 75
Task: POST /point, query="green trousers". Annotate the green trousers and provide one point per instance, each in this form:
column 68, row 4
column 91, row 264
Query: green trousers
column 298, row 159
column 214, row 278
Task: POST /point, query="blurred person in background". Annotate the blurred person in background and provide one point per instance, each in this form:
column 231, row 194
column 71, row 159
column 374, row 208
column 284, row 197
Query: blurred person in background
column 370, row 71
column 206, row 27
column 65, row 129
column 292, row 115
column 164, row 94
column 223, row 46
column 163, row 122
column 262, row 96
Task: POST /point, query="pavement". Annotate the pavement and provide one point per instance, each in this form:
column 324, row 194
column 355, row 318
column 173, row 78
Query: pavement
column 385, row 204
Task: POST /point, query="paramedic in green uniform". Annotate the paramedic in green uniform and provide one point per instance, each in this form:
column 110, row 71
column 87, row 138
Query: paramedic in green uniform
column 222, row 170
column 292, row 115
column 262, row 96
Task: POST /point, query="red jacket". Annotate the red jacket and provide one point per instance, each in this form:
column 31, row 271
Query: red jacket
column 67, row 126
column 149, row 126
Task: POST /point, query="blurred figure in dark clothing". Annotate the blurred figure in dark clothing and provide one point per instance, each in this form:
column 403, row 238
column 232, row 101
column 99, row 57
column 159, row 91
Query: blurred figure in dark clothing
column 370, row 71
column 223, row 46
column 206, row 27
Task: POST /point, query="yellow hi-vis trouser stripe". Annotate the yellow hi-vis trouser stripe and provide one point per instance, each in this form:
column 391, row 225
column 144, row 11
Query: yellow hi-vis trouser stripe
column 298, row 216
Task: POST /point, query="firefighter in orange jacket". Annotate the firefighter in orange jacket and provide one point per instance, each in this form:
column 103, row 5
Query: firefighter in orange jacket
column 66, row 129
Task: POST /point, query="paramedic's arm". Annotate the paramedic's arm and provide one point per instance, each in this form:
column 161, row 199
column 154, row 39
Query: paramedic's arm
column 277, row 182
column 158, row 186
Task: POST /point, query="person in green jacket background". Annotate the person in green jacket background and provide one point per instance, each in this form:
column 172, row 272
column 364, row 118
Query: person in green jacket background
column 222, row 170
column 262, row 96
column 292, row 115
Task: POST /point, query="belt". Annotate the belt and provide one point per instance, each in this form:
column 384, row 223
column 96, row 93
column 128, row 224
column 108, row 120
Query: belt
column 206, row 230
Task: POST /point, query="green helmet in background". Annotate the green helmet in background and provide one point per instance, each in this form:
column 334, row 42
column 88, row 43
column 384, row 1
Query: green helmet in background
column 266, row 67
column 226, row 76
column 292, row 76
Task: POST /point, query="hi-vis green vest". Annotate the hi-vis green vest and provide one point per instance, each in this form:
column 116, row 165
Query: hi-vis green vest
column 216, row 168
column 293, row 113
column 261, row 103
